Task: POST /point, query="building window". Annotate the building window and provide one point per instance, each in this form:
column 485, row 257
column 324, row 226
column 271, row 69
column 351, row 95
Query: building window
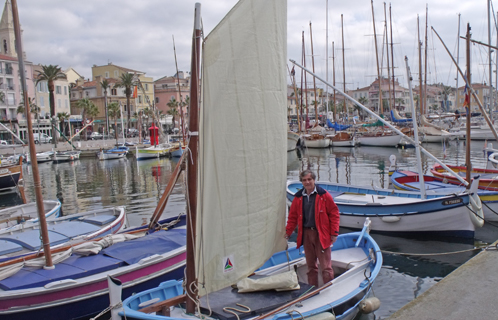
column 107, row 74
column 157, row 99
column 139, row 99
column 65, row 90
column 10, row 84
column 113, row 92
column 116, row 74
column 11, row 99
column 86, row 94
column 8, row 68
column 66, row 104
column 146, row 87
column 42, row 102
column 74, row 95
column 58, row 89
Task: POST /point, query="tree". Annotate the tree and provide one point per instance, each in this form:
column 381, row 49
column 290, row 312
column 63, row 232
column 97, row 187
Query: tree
column 33, row 108
column 446, row 91
column 51, row 73
column 88, row 109
column 63, row 116
column 173, row 111
column 105, row 85
column 114, row 112
column 126, row 82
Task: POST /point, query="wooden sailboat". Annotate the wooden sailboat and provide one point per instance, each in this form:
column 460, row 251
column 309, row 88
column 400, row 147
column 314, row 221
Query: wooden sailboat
column 236, row 233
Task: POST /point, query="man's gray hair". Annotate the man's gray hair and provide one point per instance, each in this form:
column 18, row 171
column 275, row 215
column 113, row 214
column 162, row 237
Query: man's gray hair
column 305, row 173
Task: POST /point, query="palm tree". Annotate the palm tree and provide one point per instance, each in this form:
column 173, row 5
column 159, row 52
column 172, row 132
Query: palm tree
column 114, row 112
column 126, row 81
column 105, row 85
column 63, row 116
column 88, row 108
column 51, row 73
column 173, row 111
column 33, row 108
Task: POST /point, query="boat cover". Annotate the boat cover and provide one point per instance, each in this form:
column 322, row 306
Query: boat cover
column 336, row 126
column 120, row 254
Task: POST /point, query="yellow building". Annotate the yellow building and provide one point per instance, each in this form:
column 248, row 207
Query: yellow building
column 112, row 71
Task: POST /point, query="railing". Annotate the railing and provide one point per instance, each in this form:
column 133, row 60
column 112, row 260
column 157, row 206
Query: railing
column 8, row 70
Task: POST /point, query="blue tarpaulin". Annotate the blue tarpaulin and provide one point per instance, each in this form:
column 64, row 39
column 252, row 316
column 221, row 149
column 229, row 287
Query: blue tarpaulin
column 336, row 126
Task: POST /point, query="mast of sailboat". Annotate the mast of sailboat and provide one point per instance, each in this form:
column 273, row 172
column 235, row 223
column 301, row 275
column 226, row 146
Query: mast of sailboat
column 315, row 101
column 387, row 124
column 302, row 92
column 420, row 88
column 467, row 149
column 387, row 56
column 343, row 64
column 179, row 94
column 425, row 60
column 415, row 132
column 293, row 80
column 392, row 54
column 326, row 57
column 472, row 91
column 333, row 81
column 489, row 55
column 122, row 123
column 193, row 144
column 305, row 89
column 32, row 150
column 381, row 108
column 458, row 59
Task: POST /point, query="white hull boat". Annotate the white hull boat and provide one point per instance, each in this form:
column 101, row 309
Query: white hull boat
column 391, row 140
column 26, row 215
column 157, row 151
column 402, row 212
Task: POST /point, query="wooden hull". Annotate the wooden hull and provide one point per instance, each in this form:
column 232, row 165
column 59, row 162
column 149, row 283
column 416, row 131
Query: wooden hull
column 10, row 176
column 487, row 179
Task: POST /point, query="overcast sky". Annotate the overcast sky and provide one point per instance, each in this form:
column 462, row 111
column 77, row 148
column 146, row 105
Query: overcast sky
column 138, row 35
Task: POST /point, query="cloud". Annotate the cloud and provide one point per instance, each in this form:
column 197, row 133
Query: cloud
column 138, row 35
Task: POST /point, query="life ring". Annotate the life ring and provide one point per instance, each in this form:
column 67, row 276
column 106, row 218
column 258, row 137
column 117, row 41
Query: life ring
column 477, row 216
column 493, row 158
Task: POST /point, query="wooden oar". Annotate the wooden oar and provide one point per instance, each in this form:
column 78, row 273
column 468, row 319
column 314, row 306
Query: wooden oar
column 169, row 188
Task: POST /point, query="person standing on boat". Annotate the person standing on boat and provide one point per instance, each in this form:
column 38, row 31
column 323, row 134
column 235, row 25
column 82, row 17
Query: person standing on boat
column 315, row 213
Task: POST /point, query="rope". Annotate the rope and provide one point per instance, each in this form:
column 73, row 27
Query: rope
column 109, row 308
column 229, row 310
column 433, row 254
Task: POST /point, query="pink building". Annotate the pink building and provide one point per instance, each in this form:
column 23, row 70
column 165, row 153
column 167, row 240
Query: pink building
column 166, row 88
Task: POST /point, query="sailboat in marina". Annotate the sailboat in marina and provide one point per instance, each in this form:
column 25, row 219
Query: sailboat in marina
column 233, row 230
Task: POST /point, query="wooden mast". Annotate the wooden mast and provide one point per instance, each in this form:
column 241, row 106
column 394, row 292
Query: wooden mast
column 387, row 56
column 314, row 80
column 179, row 93
column 32, row 150
column 420, row 89
column 392, row 55
column 193, row 144
column 302, row 93
column 333, row 81
column 343, row 66
column 425, row 60
column 381, row 108
column 467, row 149
column 305, row 88
column 457, row 60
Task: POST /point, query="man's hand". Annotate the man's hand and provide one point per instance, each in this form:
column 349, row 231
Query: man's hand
column 333, row 239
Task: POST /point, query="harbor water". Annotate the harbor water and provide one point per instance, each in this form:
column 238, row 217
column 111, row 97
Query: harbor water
column 411, row 265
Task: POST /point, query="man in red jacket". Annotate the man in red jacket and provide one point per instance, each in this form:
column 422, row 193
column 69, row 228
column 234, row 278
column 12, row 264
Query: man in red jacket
column 315, row 213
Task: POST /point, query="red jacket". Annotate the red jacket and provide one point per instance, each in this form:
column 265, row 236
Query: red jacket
column 326, row 217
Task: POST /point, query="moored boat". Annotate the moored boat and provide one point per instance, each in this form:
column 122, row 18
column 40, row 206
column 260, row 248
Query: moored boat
column 400, row 212
column 26, row 215
column 488, row 178
column 156, row 151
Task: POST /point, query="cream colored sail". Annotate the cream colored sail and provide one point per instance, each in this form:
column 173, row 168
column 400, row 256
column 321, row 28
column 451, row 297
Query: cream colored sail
column 243, row 144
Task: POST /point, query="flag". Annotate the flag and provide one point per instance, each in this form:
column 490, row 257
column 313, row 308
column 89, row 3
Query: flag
column 135, row 92
column 293, row 72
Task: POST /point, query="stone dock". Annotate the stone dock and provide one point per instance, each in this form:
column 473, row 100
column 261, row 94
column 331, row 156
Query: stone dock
column 469, row 292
